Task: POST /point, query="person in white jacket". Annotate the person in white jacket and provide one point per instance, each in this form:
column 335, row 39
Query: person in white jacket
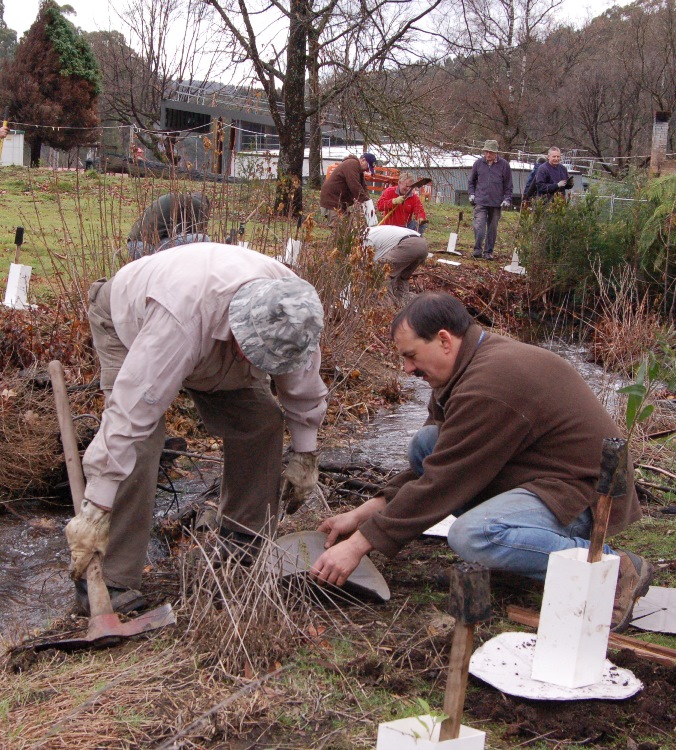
column 403, row 250
column 216, row 320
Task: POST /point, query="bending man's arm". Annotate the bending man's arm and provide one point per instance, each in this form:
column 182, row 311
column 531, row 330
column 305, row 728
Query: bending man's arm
column 302, row 395
column 159, row 360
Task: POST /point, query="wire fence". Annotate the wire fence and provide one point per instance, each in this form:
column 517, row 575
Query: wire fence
column 612, row 206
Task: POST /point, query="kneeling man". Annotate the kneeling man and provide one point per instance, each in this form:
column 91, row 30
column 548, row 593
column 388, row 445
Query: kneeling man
column 512, row 447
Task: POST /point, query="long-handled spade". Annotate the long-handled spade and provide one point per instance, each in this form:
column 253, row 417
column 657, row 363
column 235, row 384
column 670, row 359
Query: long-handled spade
column 105, row 627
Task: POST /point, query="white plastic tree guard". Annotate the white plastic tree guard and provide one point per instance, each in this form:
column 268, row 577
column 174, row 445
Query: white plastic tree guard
column 577, row 609
column 452, row 242
column 515, row 266
column 422, row 733
column 16, row 294
column 293, row 248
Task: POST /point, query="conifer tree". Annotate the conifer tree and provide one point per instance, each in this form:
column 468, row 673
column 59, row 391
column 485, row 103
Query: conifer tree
column 52, row 84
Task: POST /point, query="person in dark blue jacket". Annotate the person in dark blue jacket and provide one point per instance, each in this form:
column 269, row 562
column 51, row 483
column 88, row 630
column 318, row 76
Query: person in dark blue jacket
column 553, row 178
column 531, row 188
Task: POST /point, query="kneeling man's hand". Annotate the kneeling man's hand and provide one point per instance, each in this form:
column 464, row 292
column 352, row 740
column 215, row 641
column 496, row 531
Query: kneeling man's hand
column 338, row 563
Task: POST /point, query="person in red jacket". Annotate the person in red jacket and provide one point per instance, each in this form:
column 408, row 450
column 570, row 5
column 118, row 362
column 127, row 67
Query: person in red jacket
column 401, row 209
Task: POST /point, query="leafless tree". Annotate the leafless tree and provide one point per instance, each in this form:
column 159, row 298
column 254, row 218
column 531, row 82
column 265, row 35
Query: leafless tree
column 159, row 45
column 508, row 59
column 628, row 71
column 288, row 42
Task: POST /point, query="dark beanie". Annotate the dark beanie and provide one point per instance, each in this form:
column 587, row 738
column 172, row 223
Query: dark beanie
column 370, row 159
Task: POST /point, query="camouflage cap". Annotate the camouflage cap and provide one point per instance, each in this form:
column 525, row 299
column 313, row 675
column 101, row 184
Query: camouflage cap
column 277, row 323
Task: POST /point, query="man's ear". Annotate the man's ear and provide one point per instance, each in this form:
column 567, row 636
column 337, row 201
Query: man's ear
column 447, row 340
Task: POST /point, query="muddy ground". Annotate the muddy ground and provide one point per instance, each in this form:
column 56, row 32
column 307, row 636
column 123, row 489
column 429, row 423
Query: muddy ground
column 408, row 637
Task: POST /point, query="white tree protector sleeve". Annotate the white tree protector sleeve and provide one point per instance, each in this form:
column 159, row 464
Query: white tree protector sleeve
column 370, row 213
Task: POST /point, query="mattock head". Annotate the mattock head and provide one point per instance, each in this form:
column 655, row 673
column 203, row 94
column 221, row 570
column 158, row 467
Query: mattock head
column 470, row 593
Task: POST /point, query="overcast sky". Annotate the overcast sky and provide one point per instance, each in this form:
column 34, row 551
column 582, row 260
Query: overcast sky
column 93, row 15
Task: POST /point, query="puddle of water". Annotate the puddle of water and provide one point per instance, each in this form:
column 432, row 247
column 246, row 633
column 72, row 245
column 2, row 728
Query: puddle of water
column 34, row 561
column 34, row 584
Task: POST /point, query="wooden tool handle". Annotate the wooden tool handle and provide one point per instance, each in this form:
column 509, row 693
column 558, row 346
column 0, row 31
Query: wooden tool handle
column 599, row 528
column 612, row 483
column 97, row 591
column 68, row 436
column 456, row 681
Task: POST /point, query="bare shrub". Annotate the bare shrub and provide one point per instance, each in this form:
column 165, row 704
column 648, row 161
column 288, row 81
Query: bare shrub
column 350, row 285
column 626, row 328
column 29, row 443
column 244, row 618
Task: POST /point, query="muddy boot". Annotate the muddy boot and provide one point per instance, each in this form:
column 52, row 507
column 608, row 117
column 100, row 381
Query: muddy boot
column 633, row 582
column 122, row 600
column 391, row 288
column 404, row 286
column 238, row 546
column 207, row 520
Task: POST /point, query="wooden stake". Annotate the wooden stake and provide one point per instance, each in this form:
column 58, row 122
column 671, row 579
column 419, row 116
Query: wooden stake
column 470, row 603
column 456, row 681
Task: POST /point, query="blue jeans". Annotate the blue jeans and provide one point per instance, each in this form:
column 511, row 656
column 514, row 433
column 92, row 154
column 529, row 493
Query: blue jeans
column 513, row 531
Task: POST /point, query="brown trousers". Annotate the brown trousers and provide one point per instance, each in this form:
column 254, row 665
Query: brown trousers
column 403, row 259
column 248, row 420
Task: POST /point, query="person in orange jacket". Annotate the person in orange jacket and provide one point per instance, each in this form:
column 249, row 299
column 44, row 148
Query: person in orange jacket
column 400, row 209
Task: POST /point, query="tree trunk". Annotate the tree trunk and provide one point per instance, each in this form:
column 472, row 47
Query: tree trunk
column 315, row 158
column 36, row 148
column 292, row 136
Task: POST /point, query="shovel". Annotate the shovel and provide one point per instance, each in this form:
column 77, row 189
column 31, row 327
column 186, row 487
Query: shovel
column 453, row 239
column 105, row 627
column 418, row 183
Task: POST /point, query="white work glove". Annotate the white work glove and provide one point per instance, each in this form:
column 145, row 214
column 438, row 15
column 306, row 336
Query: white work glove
column 398, row 200
column 302, row 475
column 505, row 204
column 471, row 199
column 87, row 534
column 369, row 213
column 561, row 183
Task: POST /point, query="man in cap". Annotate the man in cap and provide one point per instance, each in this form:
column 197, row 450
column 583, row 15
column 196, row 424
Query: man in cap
column 402, row 208
column 552, row 177
column 346, row 186
column 216, row 320
column 511, row 446
column 403, row 250
column 173, row 219
column 490, row 190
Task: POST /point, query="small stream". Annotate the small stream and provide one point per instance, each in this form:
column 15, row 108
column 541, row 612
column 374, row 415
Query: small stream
column 34, row 585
